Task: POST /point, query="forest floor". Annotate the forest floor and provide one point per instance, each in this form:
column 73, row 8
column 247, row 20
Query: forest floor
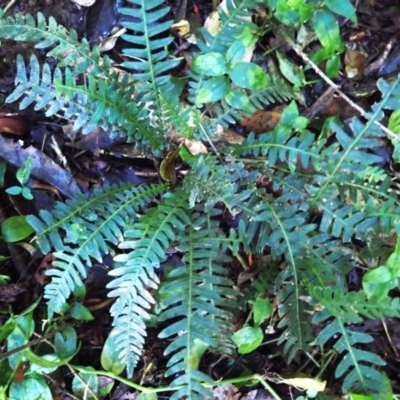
column 373, row 51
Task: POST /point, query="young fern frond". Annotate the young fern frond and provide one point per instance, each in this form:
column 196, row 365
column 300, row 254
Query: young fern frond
column 199, row 295
column 88, row 226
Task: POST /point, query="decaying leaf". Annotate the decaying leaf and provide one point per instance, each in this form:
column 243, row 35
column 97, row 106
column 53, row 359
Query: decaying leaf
column 262, row 121
column 84, row 3
column 108, row 43
column 194, row 146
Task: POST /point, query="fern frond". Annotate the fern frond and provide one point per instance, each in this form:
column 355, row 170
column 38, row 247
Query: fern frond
column 281, row 146
column 88, row 226
column 235, row 18
column 61, row 43
column 199, row 295
column 326, row 261
column 351, row 308
column 361, row 378
column 353, row 305
column 283, row 228
column 148, row 240
column 150, row 64
column 210, row 181
column 109, row 103
column 358, row 365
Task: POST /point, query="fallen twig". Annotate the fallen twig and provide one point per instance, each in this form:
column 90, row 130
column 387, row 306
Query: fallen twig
column 334, row 86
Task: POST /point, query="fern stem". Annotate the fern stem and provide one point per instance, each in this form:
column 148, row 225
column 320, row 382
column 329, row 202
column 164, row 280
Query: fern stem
column 255, row 377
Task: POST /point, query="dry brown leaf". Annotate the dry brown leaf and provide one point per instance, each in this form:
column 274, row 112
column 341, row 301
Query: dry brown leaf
column 194, row 146
column 15, row 125
column 108, row 43
column 261, row 121
column 354, row 62
column 226, row 392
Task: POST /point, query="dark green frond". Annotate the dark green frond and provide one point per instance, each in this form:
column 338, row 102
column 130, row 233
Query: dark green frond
column 198, row 296
column 99, row 102
column 210, row 181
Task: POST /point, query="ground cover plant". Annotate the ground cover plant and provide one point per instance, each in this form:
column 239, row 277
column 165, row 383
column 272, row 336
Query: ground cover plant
column 299, row 209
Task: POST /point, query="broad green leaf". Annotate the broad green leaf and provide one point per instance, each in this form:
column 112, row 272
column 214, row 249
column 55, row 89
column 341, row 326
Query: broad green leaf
column 7, row 328
column 147, row 396
column 261, row 310
column 394, row 121
column 210, row 64
column 80, row 312
column 290, row 71
column 24, row 172
column 248, row 339
column 353, row 396
column 66, row 342
column 381, row 274
column 343, row 8
column 33, row 388
column 53, row 359
column 235, row 52
column 18, row 337
column 327, row 30
column 197, row 350
column 286, row 14
column 110, row 359
column 184, row 153
column 333, row 66
column 15, row 229
column 26, row 193
column 289, row 114
column 249, row 76
column 79, row 388
column 6, row 374
column 213, row 89
column 238, row 99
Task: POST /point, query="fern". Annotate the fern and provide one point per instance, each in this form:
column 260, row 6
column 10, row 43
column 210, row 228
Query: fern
column 149, row 240
column 358, row 365
column 62, row 44
column 197, row 295
column 322, row 193
column 88, row 226
column 103, row 100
